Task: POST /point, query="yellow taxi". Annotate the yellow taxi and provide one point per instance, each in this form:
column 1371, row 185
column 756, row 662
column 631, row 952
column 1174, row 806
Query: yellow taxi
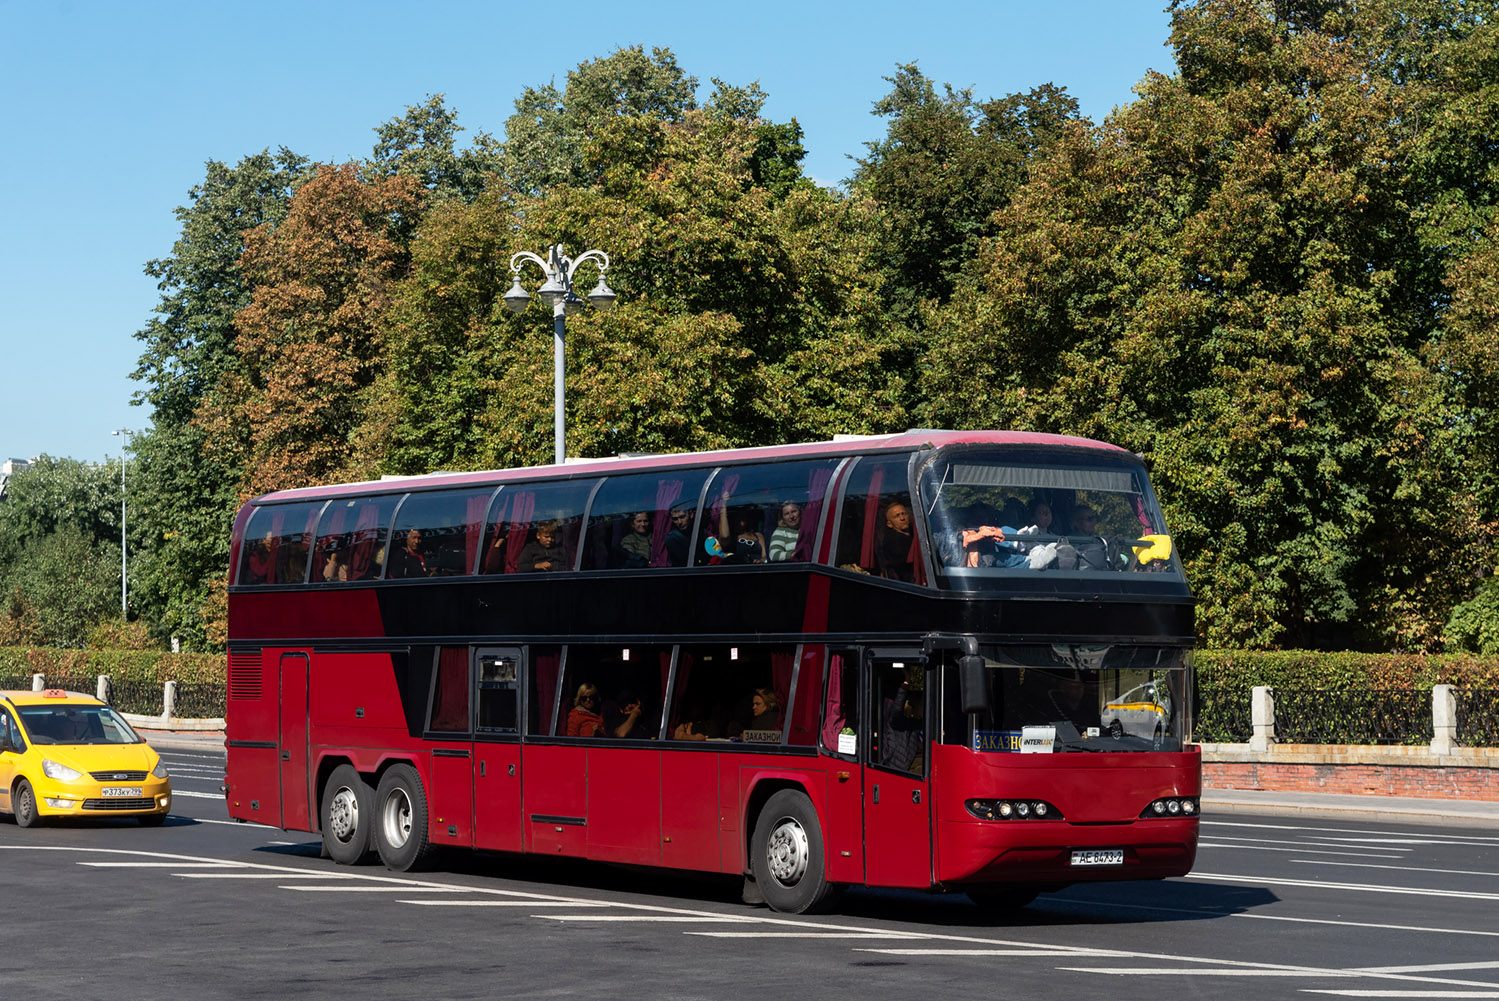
column 68, row 755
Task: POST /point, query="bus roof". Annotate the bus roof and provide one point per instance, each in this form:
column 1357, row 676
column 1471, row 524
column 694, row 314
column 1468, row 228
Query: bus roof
column 578, row 468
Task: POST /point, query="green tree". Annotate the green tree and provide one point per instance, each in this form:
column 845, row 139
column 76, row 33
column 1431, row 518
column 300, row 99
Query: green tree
column 62, row 587
column 1212, row 278
column 183, row 495
column 423, row 144
column 545, row 138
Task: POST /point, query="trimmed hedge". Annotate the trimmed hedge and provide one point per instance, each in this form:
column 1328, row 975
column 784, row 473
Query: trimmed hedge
column 156, row 666
column 1225, row 677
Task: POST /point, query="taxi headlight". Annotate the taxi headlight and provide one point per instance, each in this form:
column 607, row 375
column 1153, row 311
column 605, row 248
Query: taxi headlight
column 160, row 771
column 61, row 773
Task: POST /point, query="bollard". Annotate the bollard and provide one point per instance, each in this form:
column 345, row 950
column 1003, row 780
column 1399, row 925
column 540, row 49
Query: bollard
column 1262, row 715
column 169, row 701
column 38, row 682
column 1443, row 719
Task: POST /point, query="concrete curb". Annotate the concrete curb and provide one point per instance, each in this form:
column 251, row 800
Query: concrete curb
column 177, row 740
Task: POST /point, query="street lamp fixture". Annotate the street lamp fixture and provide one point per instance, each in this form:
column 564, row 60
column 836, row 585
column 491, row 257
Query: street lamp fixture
column 559, row 295
column 124, row 436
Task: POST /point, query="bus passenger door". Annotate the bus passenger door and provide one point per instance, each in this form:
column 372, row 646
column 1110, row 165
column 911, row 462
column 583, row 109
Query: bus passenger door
column 296, row 815
column 497, row 759
column 897, row 811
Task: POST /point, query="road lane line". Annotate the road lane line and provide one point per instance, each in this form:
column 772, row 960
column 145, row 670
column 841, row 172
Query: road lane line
column 161, row 865
column 1063, row 903
column 705, row 918
column 1398, row 868
column 1302, row 851
column 1151, row 971
column 190, row 794
column 487, row 903
column 891, row 935
column 1433, row 967
column 1350, row 993
column 1451, row 839
column 254, row 875
column 1408, row 891
column 1074, row 953
column 381, row 889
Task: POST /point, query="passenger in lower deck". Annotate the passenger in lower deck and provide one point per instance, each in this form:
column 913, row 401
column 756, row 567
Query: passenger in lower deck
column 584, row 719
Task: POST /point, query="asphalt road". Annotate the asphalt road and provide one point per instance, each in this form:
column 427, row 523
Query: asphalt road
column 207, row 908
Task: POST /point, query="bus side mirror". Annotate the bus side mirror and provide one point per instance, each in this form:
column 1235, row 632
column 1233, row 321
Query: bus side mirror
column 972, row 684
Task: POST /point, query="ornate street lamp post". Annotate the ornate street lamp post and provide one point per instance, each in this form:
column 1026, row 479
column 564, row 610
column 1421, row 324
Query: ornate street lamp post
column 124, row 434
column 558, row 293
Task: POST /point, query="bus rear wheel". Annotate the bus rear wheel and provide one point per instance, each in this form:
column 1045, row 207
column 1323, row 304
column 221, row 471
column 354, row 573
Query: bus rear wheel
column 787, row 854
column 400, row 828
column 348, row 812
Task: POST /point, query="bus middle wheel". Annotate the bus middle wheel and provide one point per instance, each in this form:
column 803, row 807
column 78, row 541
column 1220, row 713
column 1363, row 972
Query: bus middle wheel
column 788, row 854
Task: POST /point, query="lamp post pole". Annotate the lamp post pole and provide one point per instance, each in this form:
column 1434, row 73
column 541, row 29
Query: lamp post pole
column 558, row 293
column 124, row 434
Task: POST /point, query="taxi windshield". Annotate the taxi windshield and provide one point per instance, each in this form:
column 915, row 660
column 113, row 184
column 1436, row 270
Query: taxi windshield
column 72, row 724
column 1048, row 516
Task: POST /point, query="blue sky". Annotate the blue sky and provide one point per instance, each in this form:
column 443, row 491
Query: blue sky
column 115, row 107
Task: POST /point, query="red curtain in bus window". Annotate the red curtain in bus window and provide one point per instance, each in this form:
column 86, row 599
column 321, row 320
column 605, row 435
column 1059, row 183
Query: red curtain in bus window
column 808, row 690
column 781, row 667
column 450, row 700
column 522, row 507
column 366, row 535
column 871, row 518
column 473, row 529
column 727, row 485
column 833, row 719
column 546, row 688
column 667, row 492
column 817, row 489
column 494, row 556
column 264, row 570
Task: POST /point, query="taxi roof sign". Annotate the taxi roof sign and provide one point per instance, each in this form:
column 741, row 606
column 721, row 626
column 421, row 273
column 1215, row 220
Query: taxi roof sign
column 54, row 693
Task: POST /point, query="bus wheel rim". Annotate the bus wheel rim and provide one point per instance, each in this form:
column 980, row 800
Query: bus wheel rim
column 343, row 815
column 787, row 852
column 397, row 819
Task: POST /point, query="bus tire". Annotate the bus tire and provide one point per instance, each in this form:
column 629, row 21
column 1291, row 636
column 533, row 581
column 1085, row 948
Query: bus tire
column 787, row 854
column 348, row 812
column 1002, row 896
column 400, row 814
column 23, row 802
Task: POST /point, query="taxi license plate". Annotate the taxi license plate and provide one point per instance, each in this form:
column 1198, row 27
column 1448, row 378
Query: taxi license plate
column 133, row 792
column 1098, row 856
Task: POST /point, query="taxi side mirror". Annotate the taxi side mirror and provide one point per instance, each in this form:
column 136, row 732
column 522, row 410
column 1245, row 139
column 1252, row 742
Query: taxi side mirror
column 6, row 744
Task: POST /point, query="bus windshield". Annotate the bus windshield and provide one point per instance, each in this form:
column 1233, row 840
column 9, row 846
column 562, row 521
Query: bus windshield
column 1081, row 697
column 1003, row 514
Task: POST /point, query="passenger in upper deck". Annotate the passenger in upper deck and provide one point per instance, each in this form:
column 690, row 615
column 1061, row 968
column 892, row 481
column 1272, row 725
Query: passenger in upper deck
column 679, row 536
column 788, row 530
column 975, row 543
column 893, row 546
column 745, row 544
column 408, row 561
column 543, row 553
column 635, row 547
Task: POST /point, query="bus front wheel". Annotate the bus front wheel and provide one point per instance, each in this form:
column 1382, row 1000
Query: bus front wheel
column 348, row 812
column 788, row 854
column 400, row 828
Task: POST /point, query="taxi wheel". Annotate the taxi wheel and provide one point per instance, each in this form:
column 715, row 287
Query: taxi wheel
column 400, row 828
column 348, row 812
column 24, row 801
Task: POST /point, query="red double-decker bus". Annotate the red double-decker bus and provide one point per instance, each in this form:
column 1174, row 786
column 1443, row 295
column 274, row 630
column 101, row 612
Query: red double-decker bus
column 944, row 660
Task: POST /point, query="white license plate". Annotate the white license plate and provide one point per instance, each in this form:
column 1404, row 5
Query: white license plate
column 1098, row 856
column 133, row 792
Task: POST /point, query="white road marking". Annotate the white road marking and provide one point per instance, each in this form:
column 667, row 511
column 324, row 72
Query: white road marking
column 1074, row 953
column 403, row 888
column 1056, row 902
column 1403, row 994
column 1408, row 891
column 161, row 865
column 254, row 875
column 657, row 918
column 1433, row 967
column 1493, row 839
column 1152, row 971
column 897, row 935
column 190, row 794
column 1398, row 868
column 485, row 903
column 1301, row 851
column 1300, row 845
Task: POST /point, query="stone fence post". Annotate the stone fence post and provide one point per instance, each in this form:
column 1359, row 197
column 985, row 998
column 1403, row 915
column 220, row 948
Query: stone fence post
column 102, row 690
column 1262, row 715
column 169, row 700
column 1443, row 719
column 38, row 682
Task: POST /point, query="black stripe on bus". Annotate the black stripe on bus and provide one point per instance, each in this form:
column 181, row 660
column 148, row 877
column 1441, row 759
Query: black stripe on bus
column 542, row 818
